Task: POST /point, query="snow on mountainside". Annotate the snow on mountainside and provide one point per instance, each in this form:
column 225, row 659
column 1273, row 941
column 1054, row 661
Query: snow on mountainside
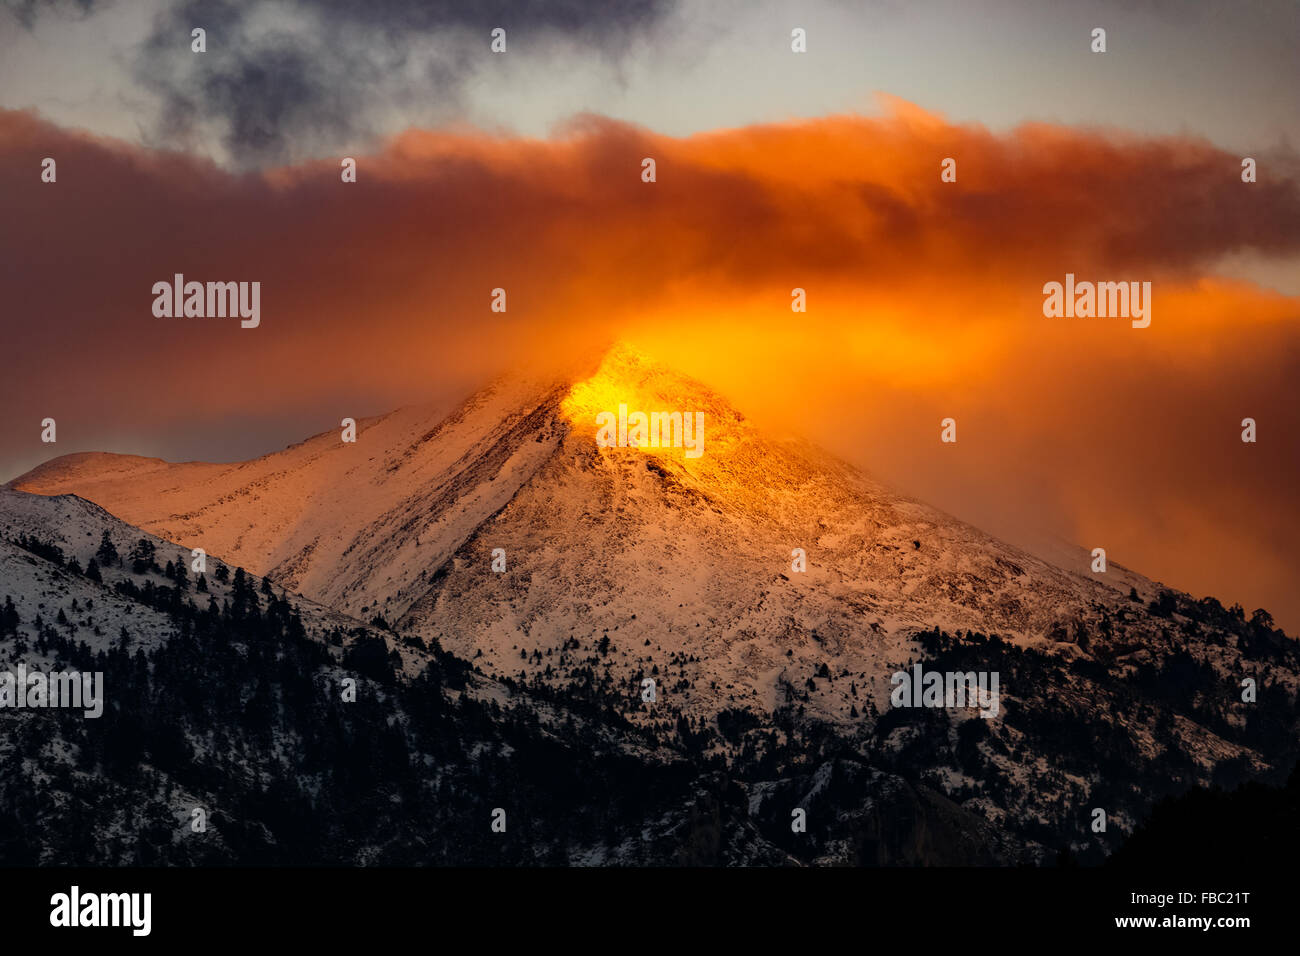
column 225, row 693
column 683, row 563
column 39, row 587
column 356, row 526
column 772, row 685
column 96, row 611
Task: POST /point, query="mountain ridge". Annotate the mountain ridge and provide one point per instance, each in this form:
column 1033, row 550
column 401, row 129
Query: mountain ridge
column 404, row 523
column 772, row 686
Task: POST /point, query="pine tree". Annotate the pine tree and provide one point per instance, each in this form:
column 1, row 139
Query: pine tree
column 9, row 618
column 107, row 554
column 142, row 556
column 92, row 571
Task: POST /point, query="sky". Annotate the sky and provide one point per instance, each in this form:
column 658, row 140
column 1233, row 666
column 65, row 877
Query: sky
column 821, row 170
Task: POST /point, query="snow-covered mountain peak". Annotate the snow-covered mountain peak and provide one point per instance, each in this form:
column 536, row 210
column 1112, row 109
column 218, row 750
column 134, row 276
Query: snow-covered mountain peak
column 759, row 559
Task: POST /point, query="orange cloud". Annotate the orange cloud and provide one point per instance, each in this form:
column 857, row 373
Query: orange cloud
column 924, row 297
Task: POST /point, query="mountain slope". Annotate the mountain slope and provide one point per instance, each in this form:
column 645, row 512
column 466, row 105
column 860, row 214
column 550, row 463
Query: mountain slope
column 693, row 555
column 347, row 524
column 772, row 685
column 237, row 710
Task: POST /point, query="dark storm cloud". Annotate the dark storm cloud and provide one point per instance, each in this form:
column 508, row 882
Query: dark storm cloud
column 26, row 11
column 282, row 78
column 598, row 19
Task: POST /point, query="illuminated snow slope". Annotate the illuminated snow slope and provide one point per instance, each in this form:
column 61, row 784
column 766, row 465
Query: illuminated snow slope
column 692, row 555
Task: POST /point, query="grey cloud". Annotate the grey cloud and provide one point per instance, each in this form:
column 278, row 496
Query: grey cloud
column 326, row 73
column 27, row 11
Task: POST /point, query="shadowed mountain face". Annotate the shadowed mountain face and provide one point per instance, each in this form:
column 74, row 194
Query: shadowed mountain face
column 693, row 554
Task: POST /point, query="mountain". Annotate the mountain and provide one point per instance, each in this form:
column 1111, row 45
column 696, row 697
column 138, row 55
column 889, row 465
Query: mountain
column 230, row 697
column 65, row 528
column 693, row 555
column 772, row 685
